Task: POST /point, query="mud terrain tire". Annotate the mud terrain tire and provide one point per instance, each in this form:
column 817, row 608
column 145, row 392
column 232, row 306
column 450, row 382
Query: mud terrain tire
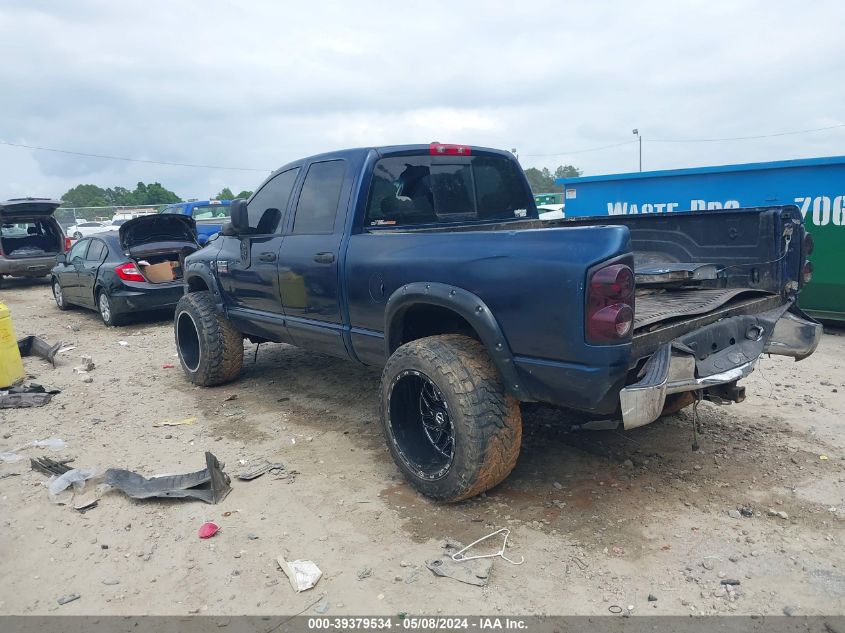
column 211, row 350
column 453, row 377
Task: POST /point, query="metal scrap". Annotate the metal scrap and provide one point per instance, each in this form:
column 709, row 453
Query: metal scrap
column 256, row 469
column 461, row 556
column 50, row 466
column 210, row 484
column 29, row 345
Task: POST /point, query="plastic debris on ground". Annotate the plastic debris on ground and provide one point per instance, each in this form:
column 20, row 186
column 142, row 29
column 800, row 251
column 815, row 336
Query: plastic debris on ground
column 303, row 574
column 26, row 396
column 50, row 466
column 185, row 422
column 33, row 345
column 53, row 443
column 208, row 529
column 75, row 477
column 210, row 484
column 258, row 468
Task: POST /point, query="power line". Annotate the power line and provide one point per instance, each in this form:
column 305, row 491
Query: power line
column 583, row 151
column 131, row 160
column 740, row 138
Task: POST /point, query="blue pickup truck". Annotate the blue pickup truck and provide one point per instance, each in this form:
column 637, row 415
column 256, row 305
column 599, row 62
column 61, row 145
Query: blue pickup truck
column 208, row 214
column 430, row 261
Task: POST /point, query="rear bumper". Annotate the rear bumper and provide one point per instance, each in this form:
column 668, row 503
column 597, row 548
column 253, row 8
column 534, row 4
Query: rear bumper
column 27, row 266
column 675, row 368
column 144, row 297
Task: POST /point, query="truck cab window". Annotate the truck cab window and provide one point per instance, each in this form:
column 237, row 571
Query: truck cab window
column 317, row 206
column 267, row 207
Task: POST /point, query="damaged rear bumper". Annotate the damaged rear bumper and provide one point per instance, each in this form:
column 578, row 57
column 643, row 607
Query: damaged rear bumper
column 718, row 354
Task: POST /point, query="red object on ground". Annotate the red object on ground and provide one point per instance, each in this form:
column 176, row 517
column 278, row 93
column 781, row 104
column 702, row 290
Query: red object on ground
column 207, row 530
column 167, row 366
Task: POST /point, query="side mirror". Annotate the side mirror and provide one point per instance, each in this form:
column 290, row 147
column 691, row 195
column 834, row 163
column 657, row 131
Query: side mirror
column 240, row 220
column 227, row 229
column 61, row 258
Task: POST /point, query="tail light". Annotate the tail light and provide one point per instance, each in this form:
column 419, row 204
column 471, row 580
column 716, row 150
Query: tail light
column 444, row 149
column 809, row 244
column 610, row 304
column 807, row 272
column 67, row 244
column 129, row 272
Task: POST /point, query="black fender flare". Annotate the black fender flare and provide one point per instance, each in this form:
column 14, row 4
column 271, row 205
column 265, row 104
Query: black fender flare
column 467, row 305
column 200, row 270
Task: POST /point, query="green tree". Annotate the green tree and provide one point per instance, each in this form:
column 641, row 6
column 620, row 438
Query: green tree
column 244, row 194
column 225, row 194
column 85, row 196
column 543, row 180
column 153, row 193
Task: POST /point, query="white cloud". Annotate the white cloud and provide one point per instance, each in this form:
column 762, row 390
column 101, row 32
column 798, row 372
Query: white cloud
column 258, row 84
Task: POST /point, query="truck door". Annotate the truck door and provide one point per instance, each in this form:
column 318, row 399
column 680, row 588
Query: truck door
column 252, row 279
column 308, row 265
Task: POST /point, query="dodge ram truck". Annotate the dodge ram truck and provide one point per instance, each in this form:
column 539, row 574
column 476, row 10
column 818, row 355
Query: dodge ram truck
column 430, row 262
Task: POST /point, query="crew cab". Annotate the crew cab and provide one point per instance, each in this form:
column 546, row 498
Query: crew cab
column 430, row 261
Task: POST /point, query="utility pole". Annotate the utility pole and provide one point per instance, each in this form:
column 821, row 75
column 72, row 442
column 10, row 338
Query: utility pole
column 637, row 134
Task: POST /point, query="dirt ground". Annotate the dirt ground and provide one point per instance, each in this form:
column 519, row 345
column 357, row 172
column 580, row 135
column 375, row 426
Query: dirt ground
column 603, row 519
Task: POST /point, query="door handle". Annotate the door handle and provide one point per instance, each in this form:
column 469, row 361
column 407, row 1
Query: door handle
column 324, row 258
column 267, row 257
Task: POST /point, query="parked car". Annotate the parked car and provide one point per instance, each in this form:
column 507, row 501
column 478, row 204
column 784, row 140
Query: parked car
column 208, row 214
column 431, row 262
column 89, row 227
column 30, row 237
column 136, row 268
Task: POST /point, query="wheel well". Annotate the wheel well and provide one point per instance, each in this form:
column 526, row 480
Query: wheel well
column 421, row 320
column 197, row 284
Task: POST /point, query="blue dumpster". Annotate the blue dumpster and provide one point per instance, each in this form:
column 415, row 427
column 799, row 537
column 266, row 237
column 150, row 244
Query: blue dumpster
column 815, row 185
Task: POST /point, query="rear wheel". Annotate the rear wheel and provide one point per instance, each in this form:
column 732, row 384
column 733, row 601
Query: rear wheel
column 59, row 296
column 211, row 350
column 77, row 236
column 106, row 309
column 450, row 426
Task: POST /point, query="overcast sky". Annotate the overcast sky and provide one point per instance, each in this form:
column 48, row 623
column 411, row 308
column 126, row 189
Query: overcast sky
column 256, row 84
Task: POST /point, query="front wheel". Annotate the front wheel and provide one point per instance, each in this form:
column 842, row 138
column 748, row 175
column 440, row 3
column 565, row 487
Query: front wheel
column 451, row 428
column 211, row 350
column 77, row 236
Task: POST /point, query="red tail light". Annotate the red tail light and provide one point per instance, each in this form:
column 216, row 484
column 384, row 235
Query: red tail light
column 444, row 149
column 807, row 272
column 610, row 304
column 67, row 244
column 809, row 244
column 129, row 272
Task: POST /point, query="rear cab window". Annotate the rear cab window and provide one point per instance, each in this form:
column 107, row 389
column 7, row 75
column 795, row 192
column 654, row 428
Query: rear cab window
column 422, row 189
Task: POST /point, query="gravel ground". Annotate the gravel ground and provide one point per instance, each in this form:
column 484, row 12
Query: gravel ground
column 603, row 519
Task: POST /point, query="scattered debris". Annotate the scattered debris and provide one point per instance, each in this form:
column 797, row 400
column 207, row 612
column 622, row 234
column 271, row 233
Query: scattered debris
column 111, row 581
column 823, row 458
column 778, row 513
column 53, row 443
column 86, row 366
column 252, row 536
column 34, row 345
column 734, row 514
column 49, row 466
column 472, row 571
column 86, row 503
column 5, row 475
column 208, row 529
column 256, row 469
column 652, row 597
column 615, row 609
column 303, row 574
column 366, row 572
column 76, row 478
column 730, row 581
column 168, row 366
column 123, row 343
column 460, row 555
column 69, row 598
column 26, row 399
column 746, row 511
column 184, row 422
column 230, row 397
column 210, row 484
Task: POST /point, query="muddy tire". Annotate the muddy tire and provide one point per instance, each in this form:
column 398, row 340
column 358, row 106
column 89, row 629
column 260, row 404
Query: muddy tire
column 211, row 350
column 449, row 425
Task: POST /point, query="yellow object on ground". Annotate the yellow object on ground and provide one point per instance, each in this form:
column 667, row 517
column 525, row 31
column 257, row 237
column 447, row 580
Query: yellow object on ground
column 11, row 365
